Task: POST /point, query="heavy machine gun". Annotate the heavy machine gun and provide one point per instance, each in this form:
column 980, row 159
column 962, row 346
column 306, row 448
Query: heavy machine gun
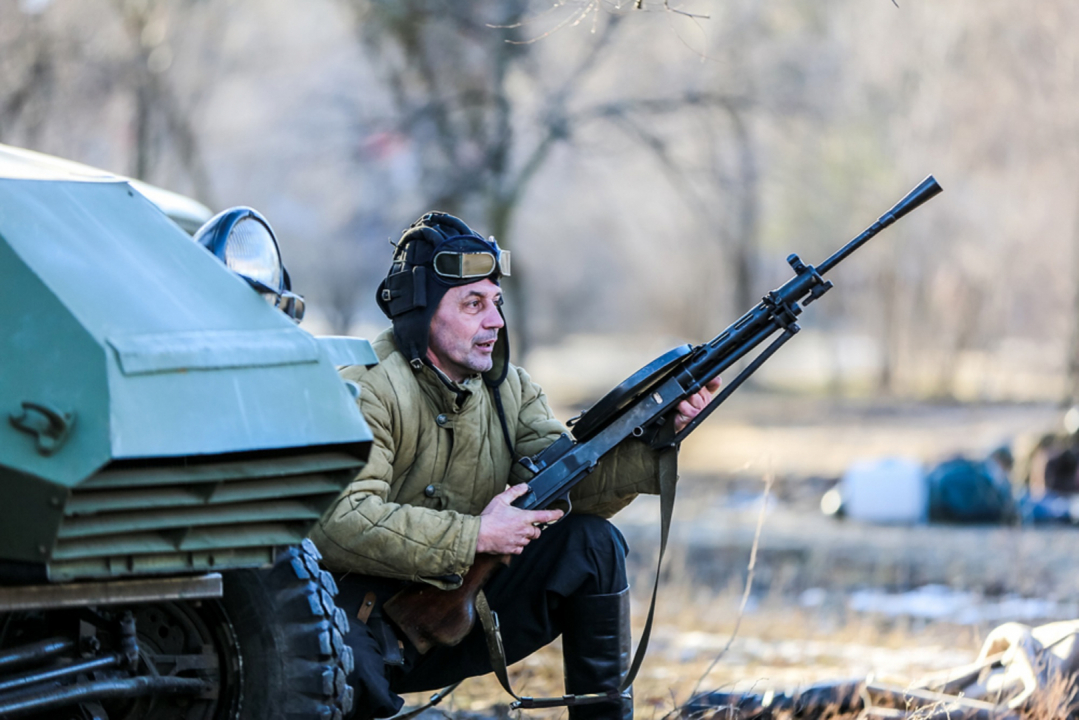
column 642, row 407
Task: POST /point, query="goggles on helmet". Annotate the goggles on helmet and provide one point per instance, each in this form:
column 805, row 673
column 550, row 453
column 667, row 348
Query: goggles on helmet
column 468, row 265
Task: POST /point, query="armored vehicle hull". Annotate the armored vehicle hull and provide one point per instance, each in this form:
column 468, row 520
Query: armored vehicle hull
column 167, row 439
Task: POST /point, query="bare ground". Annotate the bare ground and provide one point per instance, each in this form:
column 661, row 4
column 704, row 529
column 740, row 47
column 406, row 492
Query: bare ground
column 819, row 607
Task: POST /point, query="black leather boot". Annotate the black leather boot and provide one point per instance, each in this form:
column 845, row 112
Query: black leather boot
column 596, row 648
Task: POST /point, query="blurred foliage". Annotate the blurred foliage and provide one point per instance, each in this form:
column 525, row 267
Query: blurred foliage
column 650, row 167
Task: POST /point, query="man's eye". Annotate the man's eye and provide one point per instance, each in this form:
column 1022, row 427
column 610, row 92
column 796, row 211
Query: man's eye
column 498, row 301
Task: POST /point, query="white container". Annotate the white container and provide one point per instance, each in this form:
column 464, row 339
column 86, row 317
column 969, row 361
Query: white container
column 885, row 490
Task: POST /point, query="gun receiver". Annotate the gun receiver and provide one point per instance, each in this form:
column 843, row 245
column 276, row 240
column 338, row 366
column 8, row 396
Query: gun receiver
column 640, row 407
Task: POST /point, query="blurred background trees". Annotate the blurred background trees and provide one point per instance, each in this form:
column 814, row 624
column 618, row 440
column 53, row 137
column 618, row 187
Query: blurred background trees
column 650, row 168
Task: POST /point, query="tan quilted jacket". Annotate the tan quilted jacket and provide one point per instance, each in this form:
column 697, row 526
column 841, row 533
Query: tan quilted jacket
column 438, row 459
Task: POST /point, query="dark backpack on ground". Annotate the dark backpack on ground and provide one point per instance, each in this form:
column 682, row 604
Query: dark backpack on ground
column 969, row 491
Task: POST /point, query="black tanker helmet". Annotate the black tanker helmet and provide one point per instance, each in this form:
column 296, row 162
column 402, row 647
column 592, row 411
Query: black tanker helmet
column 436, row 253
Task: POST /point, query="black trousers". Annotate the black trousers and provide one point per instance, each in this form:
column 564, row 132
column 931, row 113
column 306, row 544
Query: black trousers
column 580, row 555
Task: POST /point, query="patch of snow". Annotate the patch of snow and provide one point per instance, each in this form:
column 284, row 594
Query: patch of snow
column 937, row 602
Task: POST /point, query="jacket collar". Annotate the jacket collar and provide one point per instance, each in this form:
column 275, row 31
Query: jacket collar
column 447, row 394
column 445, row 391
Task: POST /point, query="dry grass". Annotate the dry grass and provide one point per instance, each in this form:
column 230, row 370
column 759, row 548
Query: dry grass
column 777, row 646
column 783, row 642
column 780, row 643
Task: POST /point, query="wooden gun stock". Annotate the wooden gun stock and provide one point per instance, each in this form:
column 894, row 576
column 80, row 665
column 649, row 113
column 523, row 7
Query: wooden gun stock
column 429, row 616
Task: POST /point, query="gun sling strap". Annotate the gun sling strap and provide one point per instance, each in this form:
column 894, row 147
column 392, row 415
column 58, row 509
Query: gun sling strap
column 668, row 479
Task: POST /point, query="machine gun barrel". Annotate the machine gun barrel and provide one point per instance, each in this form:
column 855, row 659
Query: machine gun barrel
column 927, row 189
column 780, row 309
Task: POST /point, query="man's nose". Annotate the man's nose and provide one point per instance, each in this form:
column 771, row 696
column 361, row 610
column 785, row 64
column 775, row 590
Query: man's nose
column 493, row 319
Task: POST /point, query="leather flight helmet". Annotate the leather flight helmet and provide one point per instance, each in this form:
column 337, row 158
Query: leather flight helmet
column 436, row 253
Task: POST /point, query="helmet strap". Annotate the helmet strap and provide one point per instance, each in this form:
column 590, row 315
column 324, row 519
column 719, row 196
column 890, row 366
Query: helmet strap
column 497, row 375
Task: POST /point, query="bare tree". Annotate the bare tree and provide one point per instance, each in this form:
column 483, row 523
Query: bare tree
column 52, row 70
column 27, row 73
column 162, row 122
column 468, row 89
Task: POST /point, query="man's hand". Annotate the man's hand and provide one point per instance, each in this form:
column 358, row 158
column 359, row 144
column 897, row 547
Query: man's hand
column 504, row 529
column 692, row 406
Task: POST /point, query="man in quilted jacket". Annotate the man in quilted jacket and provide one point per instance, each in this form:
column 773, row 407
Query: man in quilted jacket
column 450, row 417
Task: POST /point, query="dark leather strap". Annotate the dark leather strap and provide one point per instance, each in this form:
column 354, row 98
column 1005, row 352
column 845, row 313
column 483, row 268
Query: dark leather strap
column 489, row 621
column 668, row 481
column 505, row 426
column 434, row 700
column 366, row 607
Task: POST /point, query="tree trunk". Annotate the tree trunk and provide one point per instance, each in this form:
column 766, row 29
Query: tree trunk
column 499, row 219
column 745, row 234
column 1071, row 393
column 889, row 329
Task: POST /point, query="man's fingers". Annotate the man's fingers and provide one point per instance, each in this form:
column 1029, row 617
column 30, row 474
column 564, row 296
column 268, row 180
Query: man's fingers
column 687, row 409
column 546, row 516
column 514, row 491
column 506, row 529
column 691, row 406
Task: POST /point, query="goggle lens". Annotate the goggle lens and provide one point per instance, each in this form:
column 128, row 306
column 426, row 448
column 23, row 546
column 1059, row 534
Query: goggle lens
column 471, row 264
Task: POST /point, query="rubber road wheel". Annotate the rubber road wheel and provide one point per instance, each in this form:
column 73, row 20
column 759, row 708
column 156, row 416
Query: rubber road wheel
column 291, row 635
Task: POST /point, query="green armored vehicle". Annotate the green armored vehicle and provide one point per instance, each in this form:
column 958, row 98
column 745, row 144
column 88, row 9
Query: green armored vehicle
column 167, row 439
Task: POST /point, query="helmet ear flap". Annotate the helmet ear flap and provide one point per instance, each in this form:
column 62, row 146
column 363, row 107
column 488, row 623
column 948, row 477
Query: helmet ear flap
column 403, row 291
column 405, row 287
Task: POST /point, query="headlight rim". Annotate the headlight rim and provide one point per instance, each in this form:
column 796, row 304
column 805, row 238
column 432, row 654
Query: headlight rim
column 214, row 236
column 215, row 233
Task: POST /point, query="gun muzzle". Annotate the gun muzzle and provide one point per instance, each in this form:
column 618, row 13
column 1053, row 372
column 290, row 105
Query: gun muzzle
column 927, row 189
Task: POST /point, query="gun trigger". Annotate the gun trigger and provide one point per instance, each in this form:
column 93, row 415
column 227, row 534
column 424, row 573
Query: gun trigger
column 567, row 510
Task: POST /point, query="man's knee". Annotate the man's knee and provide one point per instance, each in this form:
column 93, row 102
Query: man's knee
column 599, row 546
column 585, row 532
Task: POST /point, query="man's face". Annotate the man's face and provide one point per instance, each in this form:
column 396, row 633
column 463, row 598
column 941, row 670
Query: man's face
column 464, row 330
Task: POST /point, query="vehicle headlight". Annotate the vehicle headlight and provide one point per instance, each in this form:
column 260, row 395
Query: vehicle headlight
column 242, row 239
column 250, row 250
